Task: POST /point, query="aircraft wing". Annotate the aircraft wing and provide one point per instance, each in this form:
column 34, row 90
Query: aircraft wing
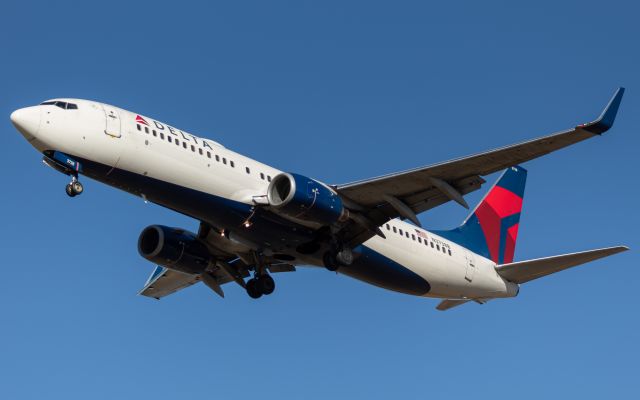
column 405, row 194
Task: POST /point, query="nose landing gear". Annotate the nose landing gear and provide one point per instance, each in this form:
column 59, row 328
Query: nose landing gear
column 74, row 188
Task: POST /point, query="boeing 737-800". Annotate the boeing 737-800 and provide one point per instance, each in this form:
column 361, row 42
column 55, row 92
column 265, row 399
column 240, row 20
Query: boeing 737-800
column 255, row 220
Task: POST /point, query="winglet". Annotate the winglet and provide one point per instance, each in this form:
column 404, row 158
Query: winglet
column 605, row 121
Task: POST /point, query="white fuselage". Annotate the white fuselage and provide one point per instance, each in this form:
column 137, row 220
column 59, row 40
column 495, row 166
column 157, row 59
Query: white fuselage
column 125, row 141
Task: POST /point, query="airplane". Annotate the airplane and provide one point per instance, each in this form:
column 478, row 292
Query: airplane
column 255, row 220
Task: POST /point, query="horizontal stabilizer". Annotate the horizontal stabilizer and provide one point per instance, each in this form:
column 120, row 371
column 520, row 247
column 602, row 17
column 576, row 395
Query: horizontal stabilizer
column 447, row 304
column 164, row 281
column 525, row 271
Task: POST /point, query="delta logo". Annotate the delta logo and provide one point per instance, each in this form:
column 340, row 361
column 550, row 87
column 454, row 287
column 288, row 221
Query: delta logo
column 141, row 120
column 173, row 131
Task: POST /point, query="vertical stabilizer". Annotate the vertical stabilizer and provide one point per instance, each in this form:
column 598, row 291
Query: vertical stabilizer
column 491, row 229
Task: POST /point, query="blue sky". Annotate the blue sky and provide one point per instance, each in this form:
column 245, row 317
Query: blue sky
column 339, row 91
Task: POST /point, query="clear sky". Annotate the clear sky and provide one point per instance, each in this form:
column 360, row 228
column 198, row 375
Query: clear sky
column 338, row 91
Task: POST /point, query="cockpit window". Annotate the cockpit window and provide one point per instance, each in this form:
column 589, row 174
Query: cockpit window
column 62, row 104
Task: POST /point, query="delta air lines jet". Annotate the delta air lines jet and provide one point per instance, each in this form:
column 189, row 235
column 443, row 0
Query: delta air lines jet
column 255, row 220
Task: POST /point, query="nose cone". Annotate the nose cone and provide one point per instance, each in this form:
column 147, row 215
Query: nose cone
column 27, row 121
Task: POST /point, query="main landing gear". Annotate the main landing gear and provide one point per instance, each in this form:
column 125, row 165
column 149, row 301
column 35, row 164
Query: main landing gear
column 74, row 188
column 260, row 285
column 334, row 258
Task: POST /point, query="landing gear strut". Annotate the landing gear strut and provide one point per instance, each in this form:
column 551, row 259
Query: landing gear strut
column 74, row 188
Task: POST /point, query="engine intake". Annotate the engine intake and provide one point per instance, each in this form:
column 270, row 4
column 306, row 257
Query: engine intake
column 300, row 198
column 173, row 248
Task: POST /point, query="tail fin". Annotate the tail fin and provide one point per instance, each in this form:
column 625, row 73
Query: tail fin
column 491, row 229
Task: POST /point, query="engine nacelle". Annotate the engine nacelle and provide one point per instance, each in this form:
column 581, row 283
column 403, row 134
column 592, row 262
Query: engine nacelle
column 173, row 248
column 300, row 198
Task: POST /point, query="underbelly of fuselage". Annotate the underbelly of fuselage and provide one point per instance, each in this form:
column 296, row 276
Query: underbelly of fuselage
column 269, row 231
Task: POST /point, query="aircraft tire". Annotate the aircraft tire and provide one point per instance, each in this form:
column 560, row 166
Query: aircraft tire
column 266, row 284
column 253, row 290
column 345, row 256
column 77, row 187
column 330, row 262
column 70, row 191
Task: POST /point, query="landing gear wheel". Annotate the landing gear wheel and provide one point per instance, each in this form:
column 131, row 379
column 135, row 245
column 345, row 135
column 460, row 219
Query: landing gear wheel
column 74, row 187
column 77, row 187
column 70, row 191
column 253, row 289
column 345, row 256
column 266, row 284
column 330, row 262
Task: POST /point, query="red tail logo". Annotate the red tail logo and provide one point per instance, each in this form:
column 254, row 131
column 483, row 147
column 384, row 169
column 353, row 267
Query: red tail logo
column 141, row 120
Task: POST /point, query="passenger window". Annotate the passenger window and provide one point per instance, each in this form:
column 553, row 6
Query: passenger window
column 413, row 237
column 217, row 158
column 169, row 139
column 177, row 142
column 146, row 130
column 139, row 127
column 200, row 151
column 419, row 239
column 394, row 229
column 233, row 165
column 261, row 176
column 247, row 169
column 161, row 135
column 154, row 133
column 432, row 245
column 400, row 230
column 208, row 154
column 184, row 144
column 407, row 234
column 224, row 160
column 438, row 247
column 193, row 148
column 268, row 178
column 449, row 251
column 387, row 226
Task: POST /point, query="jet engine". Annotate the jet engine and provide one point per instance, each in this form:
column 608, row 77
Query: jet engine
column 173, row 248
column 304, row 199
